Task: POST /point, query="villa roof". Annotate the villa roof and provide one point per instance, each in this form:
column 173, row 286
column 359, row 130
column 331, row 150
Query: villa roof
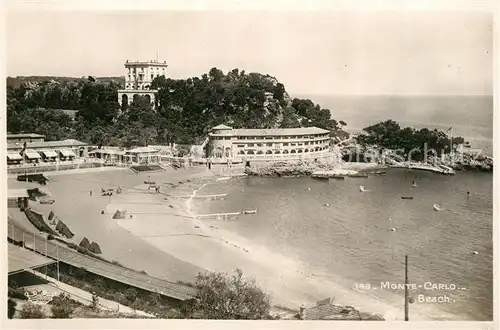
column 48, row 144
column 278, row 131
column 221, row 126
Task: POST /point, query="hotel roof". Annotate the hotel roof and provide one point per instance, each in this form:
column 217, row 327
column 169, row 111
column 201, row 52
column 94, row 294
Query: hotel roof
column 48, row 144
column 276, row 131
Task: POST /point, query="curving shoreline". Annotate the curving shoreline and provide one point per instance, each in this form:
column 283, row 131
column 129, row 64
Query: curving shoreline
column 288, row 281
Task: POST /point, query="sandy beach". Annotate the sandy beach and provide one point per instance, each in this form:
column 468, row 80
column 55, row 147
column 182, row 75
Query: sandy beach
column 161, row 235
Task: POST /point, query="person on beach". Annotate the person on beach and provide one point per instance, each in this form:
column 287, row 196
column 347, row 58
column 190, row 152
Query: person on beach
column 90, row 192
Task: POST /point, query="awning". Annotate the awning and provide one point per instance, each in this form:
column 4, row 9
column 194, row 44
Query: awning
column 32, row 154
column 49, row 153
column 14, row 157
column 67, row 153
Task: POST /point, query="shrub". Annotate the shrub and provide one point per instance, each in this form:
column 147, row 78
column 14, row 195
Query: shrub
column 131, row 294
column 222, row 297
column 62, row 307
column 50, row 237
column 80, row 273
column 17, row 293
column 32, row 311
column 11, row 308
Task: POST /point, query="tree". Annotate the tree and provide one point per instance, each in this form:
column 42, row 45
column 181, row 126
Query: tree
column 221, row 296
column 32, row 311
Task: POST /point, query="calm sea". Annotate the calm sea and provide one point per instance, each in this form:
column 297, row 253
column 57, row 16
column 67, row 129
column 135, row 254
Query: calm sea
column 470, row 116
column 350, row 241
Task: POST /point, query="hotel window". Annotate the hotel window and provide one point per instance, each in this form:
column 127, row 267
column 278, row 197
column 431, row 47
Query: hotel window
column 152, row 76
column 227, row 138
column 259, row 144
column 241, row 146
column 250, row 144
column 269, row 144
column 285, row 144
column 292, row 144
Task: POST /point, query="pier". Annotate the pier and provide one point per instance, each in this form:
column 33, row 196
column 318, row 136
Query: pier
column 337, row 174
column 224, row 216
column 204, row 197
column 437, row 169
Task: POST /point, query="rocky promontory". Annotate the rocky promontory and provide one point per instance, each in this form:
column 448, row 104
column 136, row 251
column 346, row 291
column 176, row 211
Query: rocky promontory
column 285, row 169
column 466, row 162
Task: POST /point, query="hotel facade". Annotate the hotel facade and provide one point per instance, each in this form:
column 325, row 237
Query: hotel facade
column 285, row 143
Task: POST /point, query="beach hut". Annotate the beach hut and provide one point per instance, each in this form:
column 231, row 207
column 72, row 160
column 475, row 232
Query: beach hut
column 95, row 248
column 85, row 243
column 119, row 214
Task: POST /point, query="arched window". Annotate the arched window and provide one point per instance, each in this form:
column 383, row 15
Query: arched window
column 277, row 152
column 241, row 152
column 250, row 152
column 300, row 151
column 307, row 150
column 259, row 152
column 293, row 151
column 285, row 152
column 269, row 152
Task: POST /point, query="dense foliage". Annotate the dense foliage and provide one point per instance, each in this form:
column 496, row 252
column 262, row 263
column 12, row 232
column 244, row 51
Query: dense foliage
column 221, row 296
column 411, row 142
column 184, row 112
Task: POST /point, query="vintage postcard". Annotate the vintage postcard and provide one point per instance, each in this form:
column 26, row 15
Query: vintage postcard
column 264, row 163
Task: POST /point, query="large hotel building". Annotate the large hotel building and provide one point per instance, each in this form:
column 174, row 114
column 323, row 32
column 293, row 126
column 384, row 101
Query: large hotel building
column 227, row 142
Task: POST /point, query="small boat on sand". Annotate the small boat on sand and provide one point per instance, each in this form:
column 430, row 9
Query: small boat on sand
column 250, row 212
column 149, row 182
column 338, row 177
column 406, row 197
column 436, row 207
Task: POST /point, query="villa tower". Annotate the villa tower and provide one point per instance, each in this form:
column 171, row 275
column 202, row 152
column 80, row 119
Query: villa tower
column 138, row 79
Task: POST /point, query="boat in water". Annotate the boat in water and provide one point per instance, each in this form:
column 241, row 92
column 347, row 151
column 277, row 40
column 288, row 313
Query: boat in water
column 406, row 197
column 249, row 212
column 362, row 188
column 436, row 207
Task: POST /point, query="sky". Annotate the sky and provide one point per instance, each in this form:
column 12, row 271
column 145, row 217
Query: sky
column 317, row 52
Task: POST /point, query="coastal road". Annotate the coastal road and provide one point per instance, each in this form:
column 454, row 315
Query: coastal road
column 51, row 249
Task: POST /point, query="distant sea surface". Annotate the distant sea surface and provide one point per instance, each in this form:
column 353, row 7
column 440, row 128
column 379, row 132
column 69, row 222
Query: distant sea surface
column 470, row 116
column 350, row 240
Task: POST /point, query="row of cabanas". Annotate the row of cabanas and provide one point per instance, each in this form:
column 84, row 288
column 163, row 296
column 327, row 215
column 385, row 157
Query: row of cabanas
column 136, row 155
column 31, row 155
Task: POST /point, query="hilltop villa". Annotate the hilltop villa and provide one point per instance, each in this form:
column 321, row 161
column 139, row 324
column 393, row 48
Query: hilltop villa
column 226, row 142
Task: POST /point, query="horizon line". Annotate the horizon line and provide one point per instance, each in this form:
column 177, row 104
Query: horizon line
column 299, row 93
